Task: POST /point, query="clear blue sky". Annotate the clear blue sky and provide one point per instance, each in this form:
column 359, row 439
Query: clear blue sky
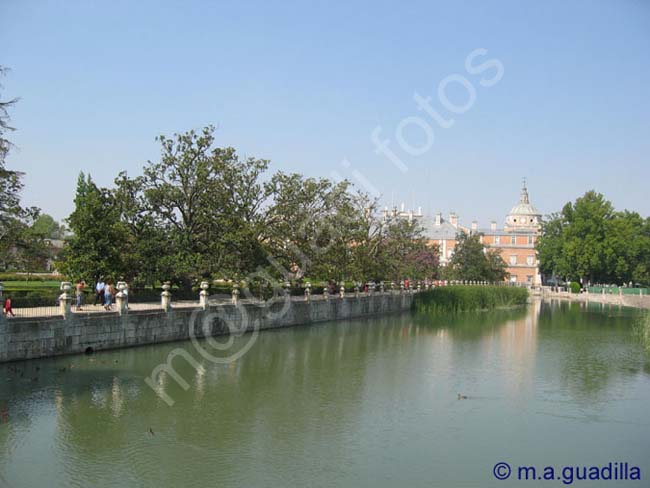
column 305, row 84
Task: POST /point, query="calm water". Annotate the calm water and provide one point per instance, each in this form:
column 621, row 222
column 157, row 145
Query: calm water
column 359, row 403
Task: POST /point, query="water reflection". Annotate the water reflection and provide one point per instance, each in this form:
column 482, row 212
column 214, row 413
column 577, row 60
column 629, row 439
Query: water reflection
column 342, row 402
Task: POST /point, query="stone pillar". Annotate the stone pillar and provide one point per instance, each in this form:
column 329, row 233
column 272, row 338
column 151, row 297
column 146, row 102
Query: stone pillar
column 381, row 287
column 419, row 287
column 393, row 287
column 235, row 293
column 342, row 289
column 166, row 297
column 307, row 291
column 356, row 289
column 121, row 297
column 326, row 293
column 401, row 286
column 65, row 300
column 287, row 289
column 203, row 295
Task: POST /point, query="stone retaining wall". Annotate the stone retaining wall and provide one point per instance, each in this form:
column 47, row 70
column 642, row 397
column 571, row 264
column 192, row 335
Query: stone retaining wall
column 31, row 338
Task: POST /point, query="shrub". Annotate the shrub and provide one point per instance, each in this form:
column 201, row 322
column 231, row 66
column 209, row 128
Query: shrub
column 575, row 287
column 30, row 277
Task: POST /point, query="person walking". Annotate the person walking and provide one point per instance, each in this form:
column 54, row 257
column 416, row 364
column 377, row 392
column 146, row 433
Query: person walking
column 109, row 292
column 79, row 293
column 99, row 291
column 7, row 308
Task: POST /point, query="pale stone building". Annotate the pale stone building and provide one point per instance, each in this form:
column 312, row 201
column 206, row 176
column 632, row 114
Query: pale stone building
column 515, row 240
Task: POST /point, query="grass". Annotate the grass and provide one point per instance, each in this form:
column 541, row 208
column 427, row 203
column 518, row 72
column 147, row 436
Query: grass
column 469, row 298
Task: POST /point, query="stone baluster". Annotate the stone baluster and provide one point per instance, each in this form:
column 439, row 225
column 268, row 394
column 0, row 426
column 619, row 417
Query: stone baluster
column 121, row 297
column 356, row 289
column 419, row 287
column 326, row 292
column 166, row 297
column 382, row 287
column 235, row 293
column 401, row 286
column 307, row 291
column 342, row 289
column 203, row 295
column 287, row 289
column 65, row 299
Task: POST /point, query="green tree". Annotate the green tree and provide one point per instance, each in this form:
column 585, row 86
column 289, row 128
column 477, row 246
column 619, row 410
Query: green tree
column 312, row 226
column 472, row 261
column 404, row 252
column 626, row 247
column 46, row 227
column 589, row 241
column 584, row 256
column 94, row 248
column 550, row 246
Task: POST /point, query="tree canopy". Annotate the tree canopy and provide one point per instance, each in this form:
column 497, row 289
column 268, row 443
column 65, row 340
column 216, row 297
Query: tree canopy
column 472, row 261
column 202, row 211
column 589, row 240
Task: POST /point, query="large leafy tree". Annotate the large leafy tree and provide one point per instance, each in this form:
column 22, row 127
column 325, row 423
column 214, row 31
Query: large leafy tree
column 549, row 246
column 95, row 247
column 583, row 249
column 589, row 241
column 196, row 212
column 37, row 247
column 404, row 252
column 312, row 226
column 474, row 262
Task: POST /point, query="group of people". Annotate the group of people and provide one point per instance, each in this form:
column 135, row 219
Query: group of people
column 104, row 293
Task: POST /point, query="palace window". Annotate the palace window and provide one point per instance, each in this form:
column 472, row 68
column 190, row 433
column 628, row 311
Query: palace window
column 529, row 260
column 513, row 260
column 531, row 240
column 497, row 240
column 513, row 240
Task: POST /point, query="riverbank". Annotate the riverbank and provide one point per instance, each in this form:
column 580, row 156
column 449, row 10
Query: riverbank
column 636, row 301
column 31, row 338
column 463, row 298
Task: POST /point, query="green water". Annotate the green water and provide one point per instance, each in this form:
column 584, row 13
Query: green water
column 360, row 403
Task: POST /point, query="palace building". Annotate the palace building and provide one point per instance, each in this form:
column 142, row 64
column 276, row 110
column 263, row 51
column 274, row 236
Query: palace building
column 515, row 240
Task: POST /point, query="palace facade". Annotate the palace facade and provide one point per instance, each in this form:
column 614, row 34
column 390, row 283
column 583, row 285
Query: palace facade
column 515, row 241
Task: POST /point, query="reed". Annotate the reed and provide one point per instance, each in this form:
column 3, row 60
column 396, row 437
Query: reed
column 467, row 298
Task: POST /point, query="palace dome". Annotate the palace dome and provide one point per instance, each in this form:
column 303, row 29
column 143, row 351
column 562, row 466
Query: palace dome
column 524, row 214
